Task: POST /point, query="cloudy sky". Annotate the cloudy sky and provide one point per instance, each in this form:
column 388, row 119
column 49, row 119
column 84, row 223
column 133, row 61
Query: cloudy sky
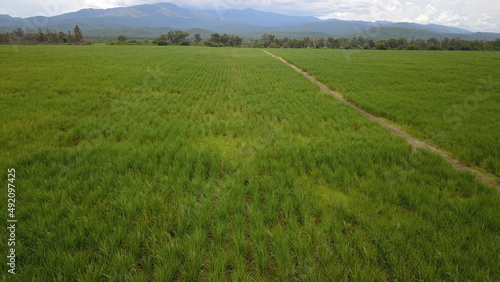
column 475, row 15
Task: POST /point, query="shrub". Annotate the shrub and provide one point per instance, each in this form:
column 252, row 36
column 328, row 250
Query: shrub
column 465, row 47
column 435, row 48
column 211, row 44
column 274, row 45
column 161, row 42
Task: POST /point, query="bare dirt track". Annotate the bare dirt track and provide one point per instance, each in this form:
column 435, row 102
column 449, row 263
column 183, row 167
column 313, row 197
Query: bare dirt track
column 415, row 143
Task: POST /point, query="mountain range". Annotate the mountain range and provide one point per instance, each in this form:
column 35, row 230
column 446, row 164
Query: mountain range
column 150, row 20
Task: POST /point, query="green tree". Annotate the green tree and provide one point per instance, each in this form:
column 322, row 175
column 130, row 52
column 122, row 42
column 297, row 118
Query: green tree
column 402, row 42
column 4, row 38
column 330, row 42
column 224, row 39
column 18, row 34
column 446, row 44
column 62, row 37
column 41, row 36
column 392, row 43
column 358, row 41
column 297, row 43
column 433, row 44
column 466, row 47
column 306, row 42
column 420, row 44
column 369, row 44
column 197, row 38
column 77, row 35
column 122, row 38
column 320, row 43
column 342, row 43
column 496, row 43
column 52, row 36
column 268, row 39
column 215, row 38
column 161, row 40
column 235, row 40
column 454, row 44
column 273, row 45
column 177, row 36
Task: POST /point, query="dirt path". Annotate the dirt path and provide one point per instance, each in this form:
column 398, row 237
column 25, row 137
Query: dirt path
column 415, row 143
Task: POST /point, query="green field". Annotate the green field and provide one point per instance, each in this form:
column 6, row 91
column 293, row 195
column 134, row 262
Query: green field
column 449, row 99
column 147, row 163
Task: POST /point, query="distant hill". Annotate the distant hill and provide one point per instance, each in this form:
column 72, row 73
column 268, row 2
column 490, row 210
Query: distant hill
column 384, row 33
column 258, row 18
column 150, row 20
column 440, row 29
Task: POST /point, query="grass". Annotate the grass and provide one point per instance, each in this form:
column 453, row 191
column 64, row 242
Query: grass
column 450, row 99
column 147, row 163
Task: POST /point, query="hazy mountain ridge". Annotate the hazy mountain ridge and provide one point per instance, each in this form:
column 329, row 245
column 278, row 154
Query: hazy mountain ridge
column 247, row 22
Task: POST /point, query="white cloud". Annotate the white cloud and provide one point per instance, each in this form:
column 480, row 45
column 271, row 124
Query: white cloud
column 459, row 13
column 477, row 15
column 423, row 19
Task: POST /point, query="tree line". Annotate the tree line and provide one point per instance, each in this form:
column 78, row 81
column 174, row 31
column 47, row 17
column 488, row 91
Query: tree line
column 20, row 36
column 271, row 41
column 179, row 37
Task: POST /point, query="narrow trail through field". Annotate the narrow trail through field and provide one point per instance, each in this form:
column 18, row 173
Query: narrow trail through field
column 415, row 143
